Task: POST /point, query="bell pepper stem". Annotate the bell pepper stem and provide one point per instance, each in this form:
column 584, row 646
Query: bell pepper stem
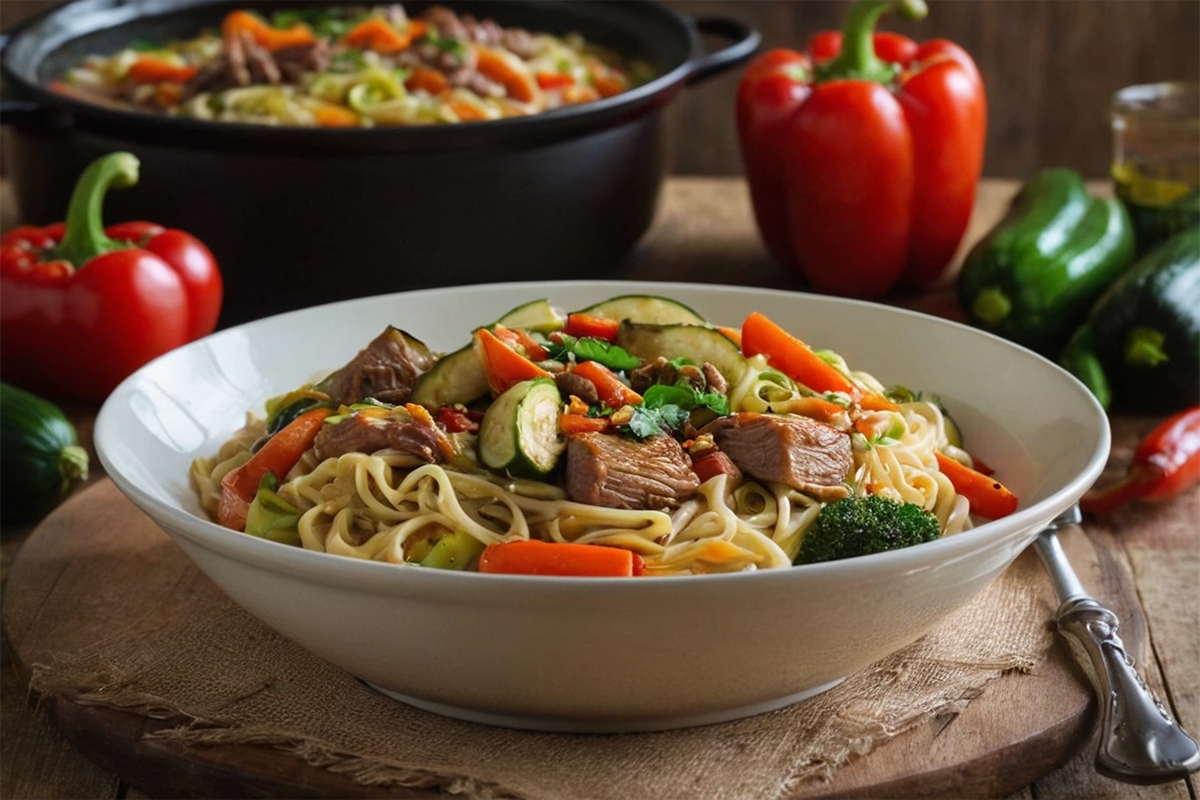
column 85, row 238
column 992, row 305
column 857, row 59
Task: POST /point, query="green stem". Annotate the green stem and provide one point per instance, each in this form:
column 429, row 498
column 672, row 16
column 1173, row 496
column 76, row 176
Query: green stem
column 1144, row 347
column 991, row 305
column 857, row 59
column 85, row 238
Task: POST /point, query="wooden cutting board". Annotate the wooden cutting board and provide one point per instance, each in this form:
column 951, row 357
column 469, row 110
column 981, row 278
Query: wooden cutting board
column 97, row 567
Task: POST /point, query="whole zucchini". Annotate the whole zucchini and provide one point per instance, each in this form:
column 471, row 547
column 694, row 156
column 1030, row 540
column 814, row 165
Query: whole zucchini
column 41, row 456
column 1145, row 330
column 1034, row 277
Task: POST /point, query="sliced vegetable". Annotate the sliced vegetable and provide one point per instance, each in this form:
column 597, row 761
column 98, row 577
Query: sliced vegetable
column 580, row 325
column 520, row 340
column 238, row 22
column 533, row 557
column 331, row 116
column 278, row 456
column 41, row 454
column 577, row 424
column 153, row 69
column 694, row 343
column 509, row 71
column 272, row 517
column 503, row 366
column 455, row 379
column 426, row 79
column 564, row 347
column 457, row 550
column 989, row 498
column 646, row 308
column 519, row 435
column 375, row 33
column 537, row 315
column 612, row 390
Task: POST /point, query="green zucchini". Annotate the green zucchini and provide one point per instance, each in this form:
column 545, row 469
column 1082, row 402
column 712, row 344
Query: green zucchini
column 457, row 550
column 458, row 378
column 646, row 308
column 41, row 456
column 1035, row 276
column 1145, row 329
column 519, row 435
column 696, row 343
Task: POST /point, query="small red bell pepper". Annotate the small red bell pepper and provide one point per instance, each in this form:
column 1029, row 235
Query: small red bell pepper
column 82, row 307
column 1165, row 464
column 863, row 156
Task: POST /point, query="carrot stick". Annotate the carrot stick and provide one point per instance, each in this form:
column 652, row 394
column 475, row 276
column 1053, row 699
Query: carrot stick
column 376, row 34
column 798, row 361
column 152, row 69
column 587, row 325
column 612, row 392
column 428, row 79
column 278, row 455
column 533, row 557
column 520, row 337
column 607, row 86
column 732, row 334
column 503, row 366
column 509, row 72
column 576, row 424
column 263, row 34
column 989, row 498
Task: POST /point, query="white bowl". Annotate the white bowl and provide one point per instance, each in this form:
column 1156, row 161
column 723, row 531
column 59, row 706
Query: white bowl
column 603, row 654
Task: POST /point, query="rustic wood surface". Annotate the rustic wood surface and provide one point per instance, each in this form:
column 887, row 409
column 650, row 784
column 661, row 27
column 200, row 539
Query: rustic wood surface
column 1021, row 727
column 1050, row 68
column 705, row 233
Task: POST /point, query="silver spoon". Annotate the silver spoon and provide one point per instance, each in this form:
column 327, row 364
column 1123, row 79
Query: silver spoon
column 1140, row 742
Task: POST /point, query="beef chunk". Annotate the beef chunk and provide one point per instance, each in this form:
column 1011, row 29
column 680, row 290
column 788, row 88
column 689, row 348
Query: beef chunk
column 294, row 62
column 614, row 472
column 807, row 455
column 569, row 383
column 362, row 433
column 386, row 370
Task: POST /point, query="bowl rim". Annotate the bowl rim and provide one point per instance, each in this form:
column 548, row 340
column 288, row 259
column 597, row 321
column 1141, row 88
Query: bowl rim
column 351, row 572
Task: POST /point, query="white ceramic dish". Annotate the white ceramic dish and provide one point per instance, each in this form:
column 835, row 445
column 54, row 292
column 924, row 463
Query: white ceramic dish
column 603, row 654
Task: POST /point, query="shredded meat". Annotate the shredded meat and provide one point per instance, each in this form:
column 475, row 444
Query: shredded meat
column 295, row 61
column 360, row 433
column 385, row 370
column 807, row 455
column 614, row 472
column 663, row 371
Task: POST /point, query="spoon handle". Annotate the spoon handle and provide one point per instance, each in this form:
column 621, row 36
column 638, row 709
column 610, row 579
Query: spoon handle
column 1140, row 742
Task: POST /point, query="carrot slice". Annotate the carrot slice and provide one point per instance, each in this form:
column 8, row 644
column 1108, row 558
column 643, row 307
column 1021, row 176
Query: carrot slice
column 278, row 455
column 576, row 424
column 508, row 71
column 989, row 498
column 612, row 392
column 607, row 86
column 503, row 366
column 263, row 34
column 534, row 557
column 331, row 116
column 152, row 69
column 732, row 334
column 798, row 361
column 554, row 80
column 428, row 79
column 587, row 325
column 521, row 338
column 374, row 33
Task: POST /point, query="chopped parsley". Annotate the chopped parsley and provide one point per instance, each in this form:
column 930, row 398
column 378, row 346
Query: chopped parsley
column 666, row 408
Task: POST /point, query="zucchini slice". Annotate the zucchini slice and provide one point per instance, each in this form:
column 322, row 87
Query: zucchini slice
column 536, row 315
column 519, row 435
column 645, row 308
column 458, row 377
column 696, row 343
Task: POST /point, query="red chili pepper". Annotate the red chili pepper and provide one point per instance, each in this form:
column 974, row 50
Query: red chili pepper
column 863, row 163
column 82, row 307
column 1165, row 463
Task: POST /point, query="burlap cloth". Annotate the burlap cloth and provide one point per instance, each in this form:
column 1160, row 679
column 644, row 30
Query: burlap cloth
column 220, row 676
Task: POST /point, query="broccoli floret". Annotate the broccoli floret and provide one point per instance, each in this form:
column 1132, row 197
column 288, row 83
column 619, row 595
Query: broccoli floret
column 859, row 526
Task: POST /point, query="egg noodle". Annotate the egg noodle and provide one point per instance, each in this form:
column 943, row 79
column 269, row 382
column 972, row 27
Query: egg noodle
column 377, row 505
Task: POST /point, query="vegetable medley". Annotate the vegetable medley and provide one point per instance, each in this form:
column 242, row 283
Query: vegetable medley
column 354, row 66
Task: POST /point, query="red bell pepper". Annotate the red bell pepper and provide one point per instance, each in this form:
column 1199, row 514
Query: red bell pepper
column 863, row 157
column 82, row 307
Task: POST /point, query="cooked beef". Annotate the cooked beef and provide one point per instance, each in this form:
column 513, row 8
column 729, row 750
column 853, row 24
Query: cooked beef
column 243, row 62
column 360, row 433
column 570, row 383
column 520, row 42
column 447, row 23
column 714, row 379
column 486, row 32
column 294, row 62
column 614, row 472
column 386, row 370
column 807, row 455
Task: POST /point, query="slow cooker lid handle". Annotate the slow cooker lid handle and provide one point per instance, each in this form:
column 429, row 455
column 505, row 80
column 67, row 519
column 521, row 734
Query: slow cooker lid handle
column 744, row 41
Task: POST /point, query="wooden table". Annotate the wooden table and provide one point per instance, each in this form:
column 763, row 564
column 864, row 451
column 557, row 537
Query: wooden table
column 705, row 232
